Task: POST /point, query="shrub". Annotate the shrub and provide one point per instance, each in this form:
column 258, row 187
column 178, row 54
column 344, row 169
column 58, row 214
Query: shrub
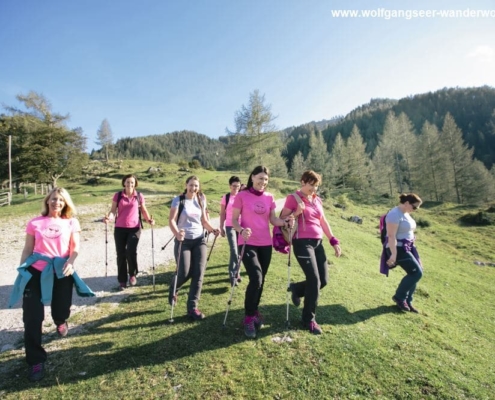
column 478, row 219
column 343, row 200
column 423, row 223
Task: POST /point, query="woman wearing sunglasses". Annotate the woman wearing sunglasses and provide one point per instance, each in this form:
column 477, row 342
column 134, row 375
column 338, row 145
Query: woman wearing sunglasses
column 400, row 249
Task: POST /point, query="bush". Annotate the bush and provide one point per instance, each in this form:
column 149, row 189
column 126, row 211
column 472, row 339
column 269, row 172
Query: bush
column 478, row 219
column 343, row 200
column 423, row 223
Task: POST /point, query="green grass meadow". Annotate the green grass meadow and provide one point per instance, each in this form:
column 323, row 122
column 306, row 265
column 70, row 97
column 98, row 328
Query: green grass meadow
column 369, row 350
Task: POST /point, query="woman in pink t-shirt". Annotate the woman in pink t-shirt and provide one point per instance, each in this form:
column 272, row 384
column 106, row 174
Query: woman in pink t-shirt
column 53, row 234
column 127, row 207
column 256, row 209
column 308, row 246
column 226, row 219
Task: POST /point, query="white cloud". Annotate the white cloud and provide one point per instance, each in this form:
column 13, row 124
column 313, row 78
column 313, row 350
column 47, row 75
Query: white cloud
column 482, row 53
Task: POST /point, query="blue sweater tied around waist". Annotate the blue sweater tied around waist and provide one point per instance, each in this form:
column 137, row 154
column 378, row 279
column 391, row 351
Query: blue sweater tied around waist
column 54, row 267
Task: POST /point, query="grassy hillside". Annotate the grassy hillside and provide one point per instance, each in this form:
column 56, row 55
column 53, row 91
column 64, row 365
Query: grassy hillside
column 368, row 349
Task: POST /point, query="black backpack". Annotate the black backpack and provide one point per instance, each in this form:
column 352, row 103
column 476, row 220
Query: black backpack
column 182, row 201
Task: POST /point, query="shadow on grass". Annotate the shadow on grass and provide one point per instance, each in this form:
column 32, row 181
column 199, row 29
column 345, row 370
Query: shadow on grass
column 129, row 340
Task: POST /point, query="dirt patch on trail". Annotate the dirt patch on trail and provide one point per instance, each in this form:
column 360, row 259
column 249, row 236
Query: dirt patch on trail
column 90, row 265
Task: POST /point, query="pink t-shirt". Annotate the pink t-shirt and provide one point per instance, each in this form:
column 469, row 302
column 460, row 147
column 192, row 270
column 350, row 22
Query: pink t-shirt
column 51, row 236
column 128, row 210
column 311, row 227
column 255, row 214
column 228, row 208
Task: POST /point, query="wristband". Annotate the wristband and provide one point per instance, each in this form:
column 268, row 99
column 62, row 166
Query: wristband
column 334, row 241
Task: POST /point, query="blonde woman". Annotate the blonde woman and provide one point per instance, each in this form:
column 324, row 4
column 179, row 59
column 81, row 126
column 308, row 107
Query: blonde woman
column 46, row 274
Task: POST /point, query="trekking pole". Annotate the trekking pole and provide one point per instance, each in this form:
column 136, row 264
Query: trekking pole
column 152, row 253
column 166, row 244
column 171, row 320
column 106, row 246
column 233, row 283
column 287, row 323
column 213, row 245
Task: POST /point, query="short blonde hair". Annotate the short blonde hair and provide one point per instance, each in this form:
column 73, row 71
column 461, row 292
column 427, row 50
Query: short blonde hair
column 69, row 209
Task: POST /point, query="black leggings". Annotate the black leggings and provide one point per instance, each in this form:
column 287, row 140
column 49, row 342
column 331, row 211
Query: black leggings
column 34, row 312
column 126, row 242
column 311, row 257
column 256, row 260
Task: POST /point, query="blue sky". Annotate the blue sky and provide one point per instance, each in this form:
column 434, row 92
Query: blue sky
column 157, row 66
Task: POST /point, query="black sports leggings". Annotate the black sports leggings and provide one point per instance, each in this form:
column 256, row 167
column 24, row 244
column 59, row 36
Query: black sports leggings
column 256, row 260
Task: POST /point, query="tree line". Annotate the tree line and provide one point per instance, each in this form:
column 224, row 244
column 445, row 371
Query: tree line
column 386, row 146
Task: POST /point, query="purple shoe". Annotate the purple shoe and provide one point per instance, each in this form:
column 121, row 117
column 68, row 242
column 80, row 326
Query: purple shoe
column 249, row 326
column 401, row 304
column 195, row 314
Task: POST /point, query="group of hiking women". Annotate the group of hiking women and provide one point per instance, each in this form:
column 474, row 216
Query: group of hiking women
column 47, row 274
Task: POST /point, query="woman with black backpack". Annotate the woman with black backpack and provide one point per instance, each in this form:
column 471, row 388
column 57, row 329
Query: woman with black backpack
column 128, row 210
column 229, row 231
column 188, row 221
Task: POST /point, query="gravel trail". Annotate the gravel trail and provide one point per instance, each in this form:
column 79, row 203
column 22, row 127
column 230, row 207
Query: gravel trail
column 90, row 265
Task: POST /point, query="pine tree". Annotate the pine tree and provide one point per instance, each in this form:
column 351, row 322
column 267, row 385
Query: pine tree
column 480, row 187
column 318, row 158
column 407, row 140
column 338, row 171
column 255, row 139
column 459, row 157
column 358, row 160
column 388, row 165
column 43, row 148
column 383, row 171
column 429, row 164
column 104, row 137
column 298, row 167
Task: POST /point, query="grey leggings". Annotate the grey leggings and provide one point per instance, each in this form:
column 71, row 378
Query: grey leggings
column 232, row 238
column 192, row 266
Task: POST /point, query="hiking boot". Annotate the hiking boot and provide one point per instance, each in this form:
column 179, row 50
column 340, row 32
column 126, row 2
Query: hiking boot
column 412, row 309
column 36, row 372
column 63, row 329
column 314, row 328
column 122, row 286
column 132, row 280
column 172, row 300
column 296, row 300
column 258, row 320
column 249, row 326
column 401, row 304
column 195, row 314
